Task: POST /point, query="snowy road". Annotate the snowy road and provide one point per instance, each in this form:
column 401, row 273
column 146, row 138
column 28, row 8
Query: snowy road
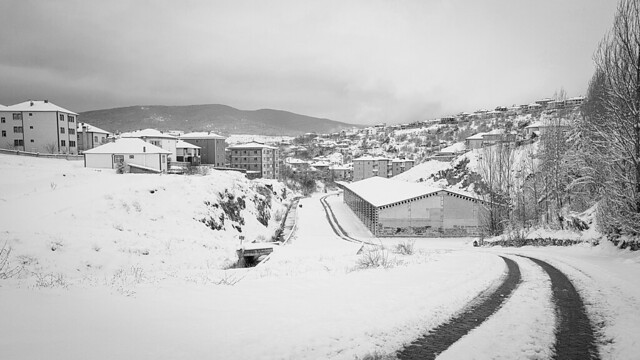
column 591, row 274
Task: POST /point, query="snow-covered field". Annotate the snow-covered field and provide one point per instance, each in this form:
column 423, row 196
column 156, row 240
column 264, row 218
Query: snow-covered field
column 117, row 267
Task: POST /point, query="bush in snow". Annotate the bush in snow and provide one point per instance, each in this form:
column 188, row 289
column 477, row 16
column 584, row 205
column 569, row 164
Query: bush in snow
column 405, row 247
column 374, row 257
column 6, row 270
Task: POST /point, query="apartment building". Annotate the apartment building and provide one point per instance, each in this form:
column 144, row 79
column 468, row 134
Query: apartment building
column 257, row 159
column 368, row 166
column 38, row 126
column 211, row 146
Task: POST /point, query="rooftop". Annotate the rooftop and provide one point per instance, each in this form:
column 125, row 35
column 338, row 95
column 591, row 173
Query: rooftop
column 201, row 135
column 38, row 105
column 252, row 145
column 91, row 128
column 147, row 133
column 379, row 191
column 127, row 146
column 185, row 145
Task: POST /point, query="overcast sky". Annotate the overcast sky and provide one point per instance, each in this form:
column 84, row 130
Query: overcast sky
column 355, row 61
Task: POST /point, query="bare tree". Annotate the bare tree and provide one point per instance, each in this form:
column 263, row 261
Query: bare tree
column 495, row 167
column 613, row 122
column 51, row 148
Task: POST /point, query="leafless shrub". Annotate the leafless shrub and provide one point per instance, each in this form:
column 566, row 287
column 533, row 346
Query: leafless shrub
column 6, row 269
column 374, row 257
column 124, row 281
column 51, row 280
column 405, row 247
column 228, row 278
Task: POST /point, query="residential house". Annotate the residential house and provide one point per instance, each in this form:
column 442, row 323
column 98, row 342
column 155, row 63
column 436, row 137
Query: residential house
column 133, row 153
column 212, row 146
column 90, row 136
column 186, row 152
column 257, row 159
column 38, row 126
column 475, row 141
column 541, row 127
column 156, row 138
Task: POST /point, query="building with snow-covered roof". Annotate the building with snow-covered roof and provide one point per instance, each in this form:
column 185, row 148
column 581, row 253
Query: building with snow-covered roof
column 397, row 208
column 130, row 152
column 187, row 152
column 341, row 172
column 38, row 126
column 156, row 138
column 367, row 166
column 398, row 166
column 90, row 136
column 256, row 157
column 212, row 146
column 475, row 141
column 574, row 101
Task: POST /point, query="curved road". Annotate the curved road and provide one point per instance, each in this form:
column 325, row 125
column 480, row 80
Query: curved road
column 575, row 337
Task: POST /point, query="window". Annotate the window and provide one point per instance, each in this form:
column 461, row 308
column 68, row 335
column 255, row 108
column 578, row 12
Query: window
column 72, row 118
column 131, row 156
column 4, row 133
column 30, row 114
column 61, row 117
column 72, row 143
column 17, row 116
column 18, row 142
column 63, row 143
column 17, row 129
column 31, row 127
column 2, row 120
column 72, row 131
column 61, row 130
column 31, row 140
column 95, row 138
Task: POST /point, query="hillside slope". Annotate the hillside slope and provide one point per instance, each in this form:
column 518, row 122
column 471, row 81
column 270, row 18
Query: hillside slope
column 61, row 219
column 214, row 117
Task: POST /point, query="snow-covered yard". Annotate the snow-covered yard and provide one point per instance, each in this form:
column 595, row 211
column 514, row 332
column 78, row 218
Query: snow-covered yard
column 119, row 266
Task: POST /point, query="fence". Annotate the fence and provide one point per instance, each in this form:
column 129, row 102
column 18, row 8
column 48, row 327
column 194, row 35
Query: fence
column 46, row 156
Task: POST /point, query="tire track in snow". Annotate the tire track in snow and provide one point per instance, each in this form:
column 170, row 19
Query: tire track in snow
column 444, row 335
column 335, row 225
column 575, row 337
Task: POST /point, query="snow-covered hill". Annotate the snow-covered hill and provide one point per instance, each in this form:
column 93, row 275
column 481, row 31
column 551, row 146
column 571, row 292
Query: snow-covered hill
column 76, row 224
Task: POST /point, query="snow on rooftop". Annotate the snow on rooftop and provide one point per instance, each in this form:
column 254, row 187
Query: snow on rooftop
column 370, row 158
column 91, row 128
column 478, row 136
column 147, row 133
column 127, row 146
column 201, row 135
column 38, row 105
column 379, row 191
column 185, row 145
column 460, row 146
column 252, row 145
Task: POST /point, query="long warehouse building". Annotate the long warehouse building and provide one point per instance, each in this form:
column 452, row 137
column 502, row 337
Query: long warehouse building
column 397, row 208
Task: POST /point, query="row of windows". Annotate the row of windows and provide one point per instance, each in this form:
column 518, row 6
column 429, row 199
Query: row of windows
column 18, row 116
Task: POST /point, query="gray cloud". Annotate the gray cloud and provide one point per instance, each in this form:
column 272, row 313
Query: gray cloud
column 356, row 61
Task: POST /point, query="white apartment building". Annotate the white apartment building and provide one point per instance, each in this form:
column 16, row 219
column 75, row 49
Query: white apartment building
column 38, row 126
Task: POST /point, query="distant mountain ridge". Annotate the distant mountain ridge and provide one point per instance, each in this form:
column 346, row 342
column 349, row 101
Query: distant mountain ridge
column 217, row 118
